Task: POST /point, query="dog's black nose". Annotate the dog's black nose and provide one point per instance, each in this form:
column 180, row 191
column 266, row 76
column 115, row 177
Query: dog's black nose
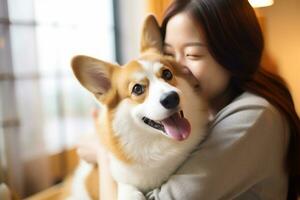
column 169, row 100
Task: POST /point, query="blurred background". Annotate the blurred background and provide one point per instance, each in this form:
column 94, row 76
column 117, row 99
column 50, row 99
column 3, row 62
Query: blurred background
column 44, row 110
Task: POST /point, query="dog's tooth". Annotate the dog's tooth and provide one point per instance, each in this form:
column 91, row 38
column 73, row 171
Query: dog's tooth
column 182, row 115
column 157, row 126
column 152, row 123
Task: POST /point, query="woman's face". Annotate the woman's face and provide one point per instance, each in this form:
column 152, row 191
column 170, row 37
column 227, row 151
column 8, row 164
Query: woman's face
column 185, row 41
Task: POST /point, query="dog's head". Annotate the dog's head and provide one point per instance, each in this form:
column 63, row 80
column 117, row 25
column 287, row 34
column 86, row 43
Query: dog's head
column 145, row 94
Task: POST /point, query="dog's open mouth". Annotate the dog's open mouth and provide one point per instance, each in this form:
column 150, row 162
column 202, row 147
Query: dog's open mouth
column 175, row 126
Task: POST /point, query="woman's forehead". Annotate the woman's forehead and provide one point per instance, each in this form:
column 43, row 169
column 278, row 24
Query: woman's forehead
column 182, row 29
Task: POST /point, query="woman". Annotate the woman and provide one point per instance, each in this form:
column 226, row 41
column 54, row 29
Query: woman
column 252, row 151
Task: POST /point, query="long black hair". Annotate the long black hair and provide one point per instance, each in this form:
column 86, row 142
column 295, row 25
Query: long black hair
column 235, row 40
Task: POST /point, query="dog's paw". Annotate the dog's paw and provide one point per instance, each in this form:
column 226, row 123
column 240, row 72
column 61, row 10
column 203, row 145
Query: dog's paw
column 133, row 196
column 138, row 196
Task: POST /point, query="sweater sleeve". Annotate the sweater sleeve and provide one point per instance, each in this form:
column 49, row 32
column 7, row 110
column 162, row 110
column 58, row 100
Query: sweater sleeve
column 246, row 144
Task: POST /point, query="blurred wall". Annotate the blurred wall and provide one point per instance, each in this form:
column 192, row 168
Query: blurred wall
column 130, row 18
column 282, row 34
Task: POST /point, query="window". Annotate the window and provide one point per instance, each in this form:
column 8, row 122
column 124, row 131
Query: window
column 43, row 108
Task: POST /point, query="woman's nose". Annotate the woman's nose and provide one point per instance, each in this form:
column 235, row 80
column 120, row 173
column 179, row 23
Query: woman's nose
column 180, row 59
column 183, row 67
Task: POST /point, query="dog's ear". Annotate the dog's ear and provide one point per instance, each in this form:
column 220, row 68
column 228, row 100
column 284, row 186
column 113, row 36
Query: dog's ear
column 151, row 36
column 95, row 75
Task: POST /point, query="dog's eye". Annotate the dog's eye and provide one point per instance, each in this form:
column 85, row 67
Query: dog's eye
column 138, row 89
column 167, row 74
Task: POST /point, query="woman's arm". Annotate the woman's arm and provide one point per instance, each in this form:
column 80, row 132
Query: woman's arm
column 107, row 187
column 246, row 148
column 90, row 150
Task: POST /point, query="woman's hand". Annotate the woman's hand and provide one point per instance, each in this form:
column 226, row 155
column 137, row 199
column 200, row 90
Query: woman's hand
column 88, row 148
column 89, row 145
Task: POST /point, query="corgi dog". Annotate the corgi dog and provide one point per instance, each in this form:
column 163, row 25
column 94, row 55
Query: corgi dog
column 152, row 114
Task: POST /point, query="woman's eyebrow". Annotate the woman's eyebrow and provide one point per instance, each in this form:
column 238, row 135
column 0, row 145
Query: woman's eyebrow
column 199, row 44
column 189, row 44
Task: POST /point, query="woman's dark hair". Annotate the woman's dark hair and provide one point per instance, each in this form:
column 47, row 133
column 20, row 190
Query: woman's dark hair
column 235, row 40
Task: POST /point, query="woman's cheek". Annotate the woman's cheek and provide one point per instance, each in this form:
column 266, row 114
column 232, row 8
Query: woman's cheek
column 197, row 68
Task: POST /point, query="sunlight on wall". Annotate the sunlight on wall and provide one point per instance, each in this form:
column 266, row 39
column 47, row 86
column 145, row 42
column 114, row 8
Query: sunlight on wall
column 282, row 30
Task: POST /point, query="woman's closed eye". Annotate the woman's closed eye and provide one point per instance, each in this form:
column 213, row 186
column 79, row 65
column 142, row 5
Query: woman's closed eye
column 169, row 54
column 193, row 56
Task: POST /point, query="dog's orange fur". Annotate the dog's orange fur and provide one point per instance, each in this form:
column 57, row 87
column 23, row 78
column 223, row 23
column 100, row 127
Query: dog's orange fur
column 125, row 81
column 92, row 183
column 111, row 142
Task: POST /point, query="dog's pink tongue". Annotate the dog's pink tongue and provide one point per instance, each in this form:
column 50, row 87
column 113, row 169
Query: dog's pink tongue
column 177, row 127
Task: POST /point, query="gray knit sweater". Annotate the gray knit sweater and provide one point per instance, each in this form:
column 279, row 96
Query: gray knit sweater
column 242, row 157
